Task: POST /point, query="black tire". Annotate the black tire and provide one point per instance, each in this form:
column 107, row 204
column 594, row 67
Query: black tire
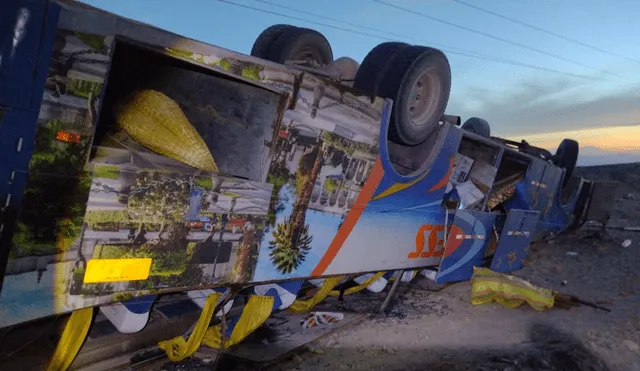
column 370, row 70
column 396, row 82
column 265, row 40
column 301, row 43
column 478, row 126
column 567, row 157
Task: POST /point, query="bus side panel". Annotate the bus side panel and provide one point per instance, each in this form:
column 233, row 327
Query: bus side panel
column 324, row 174
column 466, row 245
column 321, row 154
column 131, row 197
column 558, row 216
column 514, row 240
column 532, row 182
column 393, row 223
column 548, row 191
column 423, row 188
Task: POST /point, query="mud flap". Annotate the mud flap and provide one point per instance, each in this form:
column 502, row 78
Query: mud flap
column 515, row 240
column 465, row 246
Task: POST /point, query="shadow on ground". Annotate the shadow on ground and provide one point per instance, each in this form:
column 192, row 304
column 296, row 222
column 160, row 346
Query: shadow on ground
column 548, row 349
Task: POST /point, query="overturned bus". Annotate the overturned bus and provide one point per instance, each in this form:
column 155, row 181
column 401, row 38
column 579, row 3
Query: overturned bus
column 138, row 163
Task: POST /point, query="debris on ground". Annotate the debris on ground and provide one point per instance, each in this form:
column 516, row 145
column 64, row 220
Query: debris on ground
column 314, row 319
column 488, row 286
column 566, row 301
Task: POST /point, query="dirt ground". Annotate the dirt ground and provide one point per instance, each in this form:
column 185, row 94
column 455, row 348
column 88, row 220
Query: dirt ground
column 443, row 331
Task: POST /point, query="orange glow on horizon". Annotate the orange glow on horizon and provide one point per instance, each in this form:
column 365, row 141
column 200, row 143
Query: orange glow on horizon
column 615, row 138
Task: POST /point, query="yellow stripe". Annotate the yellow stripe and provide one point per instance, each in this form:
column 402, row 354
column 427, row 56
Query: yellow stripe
column 301, row 306
column 178, row 348
column 397, row 187
column 360, row 287
column 254, row 314
column 71, row 340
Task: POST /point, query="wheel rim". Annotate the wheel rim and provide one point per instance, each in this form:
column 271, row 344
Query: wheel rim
column 420, row 106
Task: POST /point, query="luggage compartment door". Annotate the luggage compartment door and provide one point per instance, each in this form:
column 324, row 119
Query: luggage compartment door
column 466, row 245
column 515, row 240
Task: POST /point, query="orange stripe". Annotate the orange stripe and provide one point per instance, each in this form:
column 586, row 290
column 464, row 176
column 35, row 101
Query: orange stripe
column 443, row 182
column 351, row 219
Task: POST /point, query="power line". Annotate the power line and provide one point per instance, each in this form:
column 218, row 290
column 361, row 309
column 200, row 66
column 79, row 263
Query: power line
column 380, row 37
column 422, row 41
column 577, row 42
column 341, row 21
column 468, row 29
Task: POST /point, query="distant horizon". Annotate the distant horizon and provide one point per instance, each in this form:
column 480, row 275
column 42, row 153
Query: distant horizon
column 598, row 146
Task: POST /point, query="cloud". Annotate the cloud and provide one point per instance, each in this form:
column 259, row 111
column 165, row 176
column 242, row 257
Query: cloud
column 535, row 107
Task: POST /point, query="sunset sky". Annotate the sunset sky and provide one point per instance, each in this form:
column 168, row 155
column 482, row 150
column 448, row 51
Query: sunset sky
column 617, row 138
column 572, row 70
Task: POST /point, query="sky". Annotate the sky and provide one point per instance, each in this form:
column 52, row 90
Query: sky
column 527, row 82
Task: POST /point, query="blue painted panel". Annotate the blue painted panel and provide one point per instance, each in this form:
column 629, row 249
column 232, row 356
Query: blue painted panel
column 139, row 305
column 285, row 290
column 532, row 181
column 548, row 190
column 48, row 37
column 465, row 246
column 422, row 191
column 17, row 133
column 23, row 72
column 17, row 126
column 514, row 240
column 20, row 31
column 558, row 216
column 519, row 199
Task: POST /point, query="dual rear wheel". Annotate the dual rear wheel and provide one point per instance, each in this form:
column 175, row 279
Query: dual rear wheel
column 416, row 78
